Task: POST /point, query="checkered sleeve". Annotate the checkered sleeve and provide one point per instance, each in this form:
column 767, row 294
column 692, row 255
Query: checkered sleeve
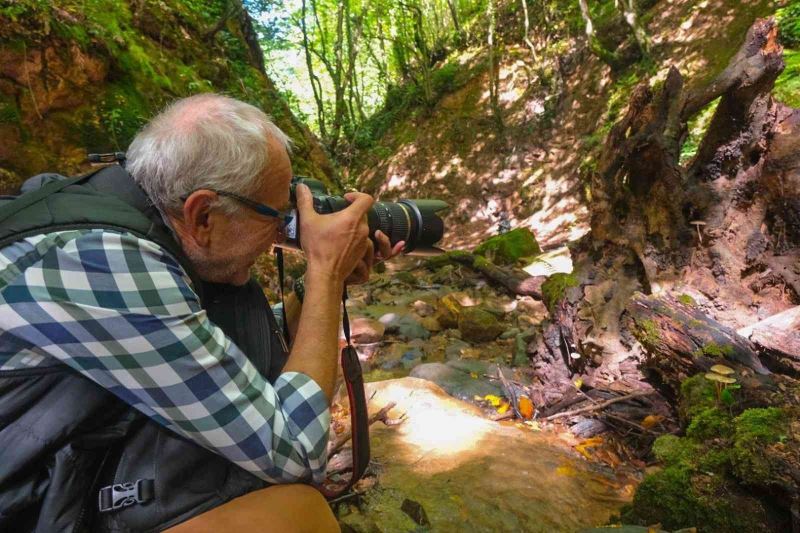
column 120, row 310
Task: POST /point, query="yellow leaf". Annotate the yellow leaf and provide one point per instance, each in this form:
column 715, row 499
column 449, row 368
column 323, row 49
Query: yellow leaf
column 477, row 398
column 525, row 407
column 534, row 425
column 651, row 421
column 583, row 447
column 473, row 375
column 503, row 408
column 578, row 383
column 492, row 399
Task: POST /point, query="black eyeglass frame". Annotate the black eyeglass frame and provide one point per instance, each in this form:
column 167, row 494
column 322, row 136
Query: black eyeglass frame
column 262, row 209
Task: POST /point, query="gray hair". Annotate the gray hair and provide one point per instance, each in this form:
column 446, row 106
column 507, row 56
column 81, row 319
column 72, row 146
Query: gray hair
column 207, row 141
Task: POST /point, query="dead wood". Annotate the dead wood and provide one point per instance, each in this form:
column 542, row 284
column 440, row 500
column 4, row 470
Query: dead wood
column 778, row 337
column 515, row 281
column 599, row 406
column 342, row 439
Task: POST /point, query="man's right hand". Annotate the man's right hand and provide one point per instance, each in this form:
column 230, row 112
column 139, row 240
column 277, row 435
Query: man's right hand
column 334, row 243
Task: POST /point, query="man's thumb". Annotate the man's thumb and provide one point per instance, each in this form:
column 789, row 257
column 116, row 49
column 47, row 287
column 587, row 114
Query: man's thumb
column 305, row 201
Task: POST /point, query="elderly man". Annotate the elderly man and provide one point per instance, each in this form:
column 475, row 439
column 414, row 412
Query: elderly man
column 144, row 382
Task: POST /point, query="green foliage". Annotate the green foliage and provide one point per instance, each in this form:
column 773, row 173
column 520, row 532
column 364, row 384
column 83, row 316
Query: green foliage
column 787, row 86
column 508, row 248
column 685, row 299
column 555, row 287
column 697, row 128
column 789, row 24
column 712, row 349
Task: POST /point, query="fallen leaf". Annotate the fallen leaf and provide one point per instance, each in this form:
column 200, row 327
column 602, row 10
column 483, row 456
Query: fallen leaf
column 578, row 383
column 534, row 425
column 651, row 421
column 473, row 375
column 583, row 447
column 525, row 407
column 493, row 400
column 503, row 408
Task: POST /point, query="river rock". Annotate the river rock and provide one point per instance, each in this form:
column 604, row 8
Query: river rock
column 458, row 381
column 423, row 308
column 448, row 310
column 454, row 349
column 431, row 324
column 478, row 325
column 411, row 358
column 472, row 474
column 366, row 330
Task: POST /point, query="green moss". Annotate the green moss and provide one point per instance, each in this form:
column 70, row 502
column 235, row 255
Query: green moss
column 685, row 299
column 671, row 449
column 755, row 429
column 648, row 333
column 713, row 349
column 555, row 287
column 709, row 424
column 697, row 394
column 507, row 248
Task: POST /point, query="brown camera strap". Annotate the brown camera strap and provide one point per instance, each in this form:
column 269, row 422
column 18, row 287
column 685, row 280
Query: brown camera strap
column 354, row 381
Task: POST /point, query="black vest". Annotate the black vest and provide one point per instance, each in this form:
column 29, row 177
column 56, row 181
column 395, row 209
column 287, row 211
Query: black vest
column 63, row 437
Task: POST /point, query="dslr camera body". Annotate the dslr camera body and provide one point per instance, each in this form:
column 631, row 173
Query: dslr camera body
column 416, row 222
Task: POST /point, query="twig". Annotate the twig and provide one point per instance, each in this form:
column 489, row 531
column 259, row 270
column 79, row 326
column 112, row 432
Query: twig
column 599, row 406
column 512, row 397
column 631, row 423
column 342, row 439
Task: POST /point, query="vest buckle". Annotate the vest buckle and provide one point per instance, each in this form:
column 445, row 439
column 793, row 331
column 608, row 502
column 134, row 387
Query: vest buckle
column 120, row 495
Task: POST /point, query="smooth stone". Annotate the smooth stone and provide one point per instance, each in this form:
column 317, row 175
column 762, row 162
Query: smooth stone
column 366, row 330
column 431, row 324
column 454, row 348
column 456, row 382
column 423, row 308
column 478, row 325
column 411, row 329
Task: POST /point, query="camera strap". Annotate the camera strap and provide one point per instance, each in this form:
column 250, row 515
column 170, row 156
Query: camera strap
column 354, row 381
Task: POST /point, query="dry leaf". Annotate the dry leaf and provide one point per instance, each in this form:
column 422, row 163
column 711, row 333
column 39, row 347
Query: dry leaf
column 473, row 375
column 503, row 408
column 493, row 400
column 525, row 407
column 651, row 421
column 578, row 383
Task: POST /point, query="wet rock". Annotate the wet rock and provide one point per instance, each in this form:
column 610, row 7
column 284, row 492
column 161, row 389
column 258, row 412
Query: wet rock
column 391, row 364
column 588, row 427
column 454, row 348
column 411, row 358
column 509, row 247
column 448, row 309
column 511, row 333
column 423, row 308
column 457, row 381
column 405, row 326
column 366, row 330
column 431, row 324
column 478, row 325
column 415, row 511
column 520, row 351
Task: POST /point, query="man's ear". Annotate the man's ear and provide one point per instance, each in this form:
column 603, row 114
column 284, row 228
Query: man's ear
column 197, row 220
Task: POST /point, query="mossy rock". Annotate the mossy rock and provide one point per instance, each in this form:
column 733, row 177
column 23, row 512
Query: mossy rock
column 555, row 287
column 509, row 247
column 448, row 309
column 478, row 325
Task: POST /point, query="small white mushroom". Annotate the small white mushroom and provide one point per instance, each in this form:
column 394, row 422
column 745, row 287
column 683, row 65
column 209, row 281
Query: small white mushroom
column 697, row 224
column 719, row 378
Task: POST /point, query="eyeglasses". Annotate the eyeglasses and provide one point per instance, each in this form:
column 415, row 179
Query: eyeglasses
column 284, row 216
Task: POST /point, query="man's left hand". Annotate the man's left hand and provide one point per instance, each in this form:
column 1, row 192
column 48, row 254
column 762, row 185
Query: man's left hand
column 371, row 257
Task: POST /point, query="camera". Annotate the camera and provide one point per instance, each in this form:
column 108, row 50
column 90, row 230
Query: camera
column 416, row 222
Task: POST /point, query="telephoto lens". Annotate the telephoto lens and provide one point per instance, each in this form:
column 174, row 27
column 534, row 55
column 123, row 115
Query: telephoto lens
column 417, row 222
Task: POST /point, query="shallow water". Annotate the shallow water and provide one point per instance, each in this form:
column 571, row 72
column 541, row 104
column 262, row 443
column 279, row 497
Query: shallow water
column 472, row 474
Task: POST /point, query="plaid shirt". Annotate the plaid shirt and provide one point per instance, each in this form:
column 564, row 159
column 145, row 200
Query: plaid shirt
column 120, row 310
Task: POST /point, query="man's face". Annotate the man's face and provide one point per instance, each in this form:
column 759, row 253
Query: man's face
column 226, row 249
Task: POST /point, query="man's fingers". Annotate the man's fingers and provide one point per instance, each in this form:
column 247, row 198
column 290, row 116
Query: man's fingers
column 359, row 202
column 398, row 248
column 384, row 245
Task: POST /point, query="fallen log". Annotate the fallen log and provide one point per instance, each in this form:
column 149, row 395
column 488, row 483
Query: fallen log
column 515, row 281
column 679, row 341
column 599, row 406
column 778, row 338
